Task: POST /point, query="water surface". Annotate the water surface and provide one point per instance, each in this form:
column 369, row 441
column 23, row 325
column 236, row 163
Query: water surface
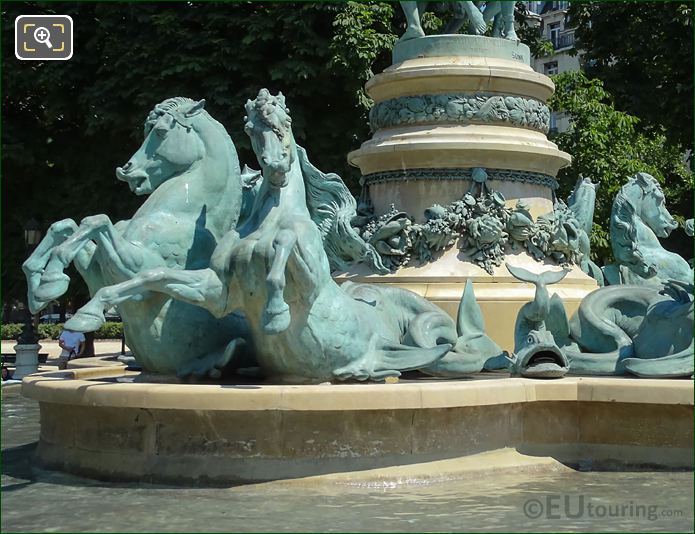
column 43, row 501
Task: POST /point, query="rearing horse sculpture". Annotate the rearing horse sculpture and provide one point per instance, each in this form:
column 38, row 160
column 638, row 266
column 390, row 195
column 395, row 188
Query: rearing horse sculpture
column 275, row 269
column 638, row 219
column 188, row 166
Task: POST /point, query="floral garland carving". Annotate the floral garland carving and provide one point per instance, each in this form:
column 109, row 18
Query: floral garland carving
column 461, row 108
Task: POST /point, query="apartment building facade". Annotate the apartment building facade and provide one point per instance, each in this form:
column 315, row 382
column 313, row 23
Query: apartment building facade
column 554, row 21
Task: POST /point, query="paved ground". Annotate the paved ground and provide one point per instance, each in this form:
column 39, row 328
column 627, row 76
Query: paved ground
column 107, row 347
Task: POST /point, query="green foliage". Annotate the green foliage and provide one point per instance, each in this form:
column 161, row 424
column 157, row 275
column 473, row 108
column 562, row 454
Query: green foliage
column 530, row 32
column 67, row 125
column 109, row 331
column 607, row 146
column 363, row 32
column 50, row 331
column 10, row 331
column 643, row 52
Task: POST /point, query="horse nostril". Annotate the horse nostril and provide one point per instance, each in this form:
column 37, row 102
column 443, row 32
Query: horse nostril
column 265, row 160
column 127, row 166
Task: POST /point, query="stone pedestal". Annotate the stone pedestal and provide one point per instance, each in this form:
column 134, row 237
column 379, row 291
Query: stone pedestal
column 27, row 360
column 450, row 104
column 107, row 423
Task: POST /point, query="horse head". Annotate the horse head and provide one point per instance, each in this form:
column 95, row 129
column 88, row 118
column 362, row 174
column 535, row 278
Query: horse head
column 171, row 146
column 650, row 206
column 268, row 124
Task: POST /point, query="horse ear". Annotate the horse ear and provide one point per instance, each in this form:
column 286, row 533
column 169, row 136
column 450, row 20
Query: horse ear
column 196, row 108
column 644, row 179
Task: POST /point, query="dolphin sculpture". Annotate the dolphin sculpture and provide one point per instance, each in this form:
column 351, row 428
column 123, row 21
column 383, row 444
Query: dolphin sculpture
column 536, row 351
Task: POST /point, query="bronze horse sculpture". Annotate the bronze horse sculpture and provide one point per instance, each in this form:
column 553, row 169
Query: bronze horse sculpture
column 274, row 269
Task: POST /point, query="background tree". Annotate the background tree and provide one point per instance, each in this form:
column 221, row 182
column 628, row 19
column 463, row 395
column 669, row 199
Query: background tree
column 608, row 146
column 643, row 53
column 67, row 125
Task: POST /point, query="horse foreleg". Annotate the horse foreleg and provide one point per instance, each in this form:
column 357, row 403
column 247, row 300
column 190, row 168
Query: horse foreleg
column 42, row 287
column 124, row 256
column 276, row 315
column 477, row 23
column 202, row 288
column 413, row 12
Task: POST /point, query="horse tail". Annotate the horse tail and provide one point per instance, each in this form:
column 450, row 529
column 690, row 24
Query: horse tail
column 332, row 208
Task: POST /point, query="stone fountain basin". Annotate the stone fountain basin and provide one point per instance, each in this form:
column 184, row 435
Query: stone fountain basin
column 104, row 423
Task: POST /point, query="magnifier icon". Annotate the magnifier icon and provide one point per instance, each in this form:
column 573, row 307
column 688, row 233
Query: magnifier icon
column 42, row 35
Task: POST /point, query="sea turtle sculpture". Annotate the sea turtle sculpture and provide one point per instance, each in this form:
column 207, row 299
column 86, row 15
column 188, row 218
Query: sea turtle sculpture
column 274, row 269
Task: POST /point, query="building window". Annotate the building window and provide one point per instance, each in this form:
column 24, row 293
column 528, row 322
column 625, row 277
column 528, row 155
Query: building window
column 560, row 5
column 550, row 68
column 554, row 32
column 553, row 123
column 564, row 41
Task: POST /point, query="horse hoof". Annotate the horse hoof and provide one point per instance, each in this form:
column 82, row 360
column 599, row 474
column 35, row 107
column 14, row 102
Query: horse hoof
column 411, row 33
column 84, row 322
column 274, row 323
column 52, row 287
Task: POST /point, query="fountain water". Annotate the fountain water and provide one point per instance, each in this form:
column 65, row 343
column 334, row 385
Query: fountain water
column 460, row 150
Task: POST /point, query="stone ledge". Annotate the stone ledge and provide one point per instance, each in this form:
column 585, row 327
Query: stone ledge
column 355, row 433
column 83, row 387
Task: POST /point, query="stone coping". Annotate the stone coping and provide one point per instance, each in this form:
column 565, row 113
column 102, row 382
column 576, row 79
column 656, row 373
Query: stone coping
column 461, row 45
column 89, row 387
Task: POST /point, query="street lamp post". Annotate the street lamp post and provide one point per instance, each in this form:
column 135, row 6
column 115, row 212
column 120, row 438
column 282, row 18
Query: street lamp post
column 27, row 347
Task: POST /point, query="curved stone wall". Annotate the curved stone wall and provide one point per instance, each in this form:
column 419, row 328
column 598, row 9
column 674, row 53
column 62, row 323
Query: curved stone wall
column 101, row 423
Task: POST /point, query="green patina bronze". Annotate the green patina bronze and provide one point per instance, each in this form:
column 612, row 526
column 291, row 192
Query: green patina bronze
column 581, row 203
column 638, row 219
column 456, row 173
column 481, row 225
column 274, row 269
column 500, row 12
column 635, row 330
column 617, row 330
column 188, row 167
column 536, row 353
column 478, row 108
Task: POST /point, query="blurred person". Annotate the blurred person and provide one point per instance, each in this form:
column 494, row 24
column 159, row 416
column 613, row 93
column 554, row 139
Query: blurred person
column 73, row 344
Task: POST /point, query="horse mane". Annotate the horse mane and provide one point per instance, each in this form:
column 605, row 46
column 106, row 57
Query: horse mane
column 330, row 204
column 170, row 104
column 265, row 107
column 623, row 230
column 332, row 208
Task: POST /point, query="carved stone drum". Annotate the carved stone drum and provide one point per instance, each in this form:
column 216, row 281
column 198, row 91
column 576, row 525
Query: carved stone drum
column 450, row 104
